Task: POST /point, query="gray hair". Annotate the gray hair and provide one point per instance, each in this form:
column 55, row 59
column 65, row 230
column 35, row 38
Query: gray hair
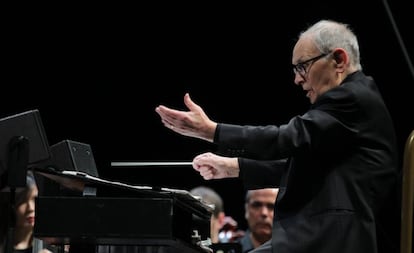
column 210, row 197
column 328, row 34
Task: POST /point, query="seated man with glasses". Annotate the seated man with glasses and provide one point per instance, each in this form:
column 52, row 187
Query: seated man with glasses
column 259, row 205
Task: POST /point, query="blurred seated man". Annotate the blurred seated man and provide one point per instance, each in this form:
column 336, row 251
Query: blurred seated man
column 211, row 197
column 223, row 229
column 259, row 215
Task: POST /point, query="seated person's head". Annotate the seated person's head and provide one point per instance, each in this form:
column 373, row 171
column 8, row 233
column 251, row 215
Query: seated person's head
column 24, row 207
column 25, row 204
column 211, row 197
column 259, row 206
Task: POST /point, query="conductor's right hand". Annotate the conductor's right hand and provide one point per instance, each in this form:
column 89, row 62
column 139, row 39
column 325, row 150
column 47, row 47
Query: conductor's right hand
column 193, row 123
column 212, row 166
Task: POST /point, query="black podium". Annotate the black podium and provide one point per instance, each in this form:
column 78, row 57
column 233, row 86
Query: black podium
column 116, row 214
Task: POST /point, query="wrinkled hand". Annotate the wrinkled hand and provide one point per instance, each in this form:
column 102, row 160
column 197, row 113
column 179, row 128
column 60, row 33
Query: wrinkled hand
column 212, row 166
column 193, row 123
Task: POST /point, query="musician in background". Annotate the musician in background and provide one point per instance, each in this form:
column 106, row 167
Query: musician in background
column 211, row 197
column 223, row 229
column 23, row 240
column 259, row 213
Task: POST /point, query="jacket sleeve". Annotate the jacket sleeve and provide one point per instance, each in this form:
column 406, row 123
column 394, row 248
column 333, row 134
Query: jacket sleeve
column 261, row 174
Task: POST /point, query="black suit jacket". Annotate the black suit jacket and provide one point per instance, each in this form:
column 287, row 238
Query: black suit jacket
column 335, row 167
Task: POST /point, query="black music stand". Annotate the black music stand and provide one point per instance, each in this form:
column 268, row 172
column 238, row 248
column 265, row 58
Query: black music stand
column 23, row 143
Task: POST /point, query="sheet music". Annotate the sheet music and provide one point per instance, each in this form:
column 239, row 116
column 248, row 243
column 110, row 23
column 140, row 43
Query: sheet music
column 78, row 180
column 138, row 187
column 97, row 179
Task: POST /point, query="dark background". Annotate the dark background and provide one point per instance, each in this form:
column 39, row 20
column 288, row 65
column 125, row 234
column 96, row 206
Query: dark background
column 96, row 73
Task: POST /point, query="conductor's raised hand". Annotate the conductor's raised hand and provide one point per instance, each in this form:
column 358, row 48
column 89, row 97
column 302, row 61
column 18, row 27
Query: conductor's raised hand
column 193, row 123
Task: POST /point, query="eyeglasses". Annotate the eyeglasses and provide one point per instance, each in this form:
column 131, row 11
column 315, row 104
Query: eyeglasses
column 302, row 67
column 256, row 205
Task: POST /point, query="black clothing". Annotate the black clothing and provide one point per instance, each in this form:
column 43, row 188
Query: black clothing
column 340, row 165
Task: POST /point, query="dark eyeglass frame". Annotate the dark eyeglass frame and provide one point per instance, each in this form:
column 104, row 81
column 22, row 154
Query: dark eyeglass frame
column 301, row 67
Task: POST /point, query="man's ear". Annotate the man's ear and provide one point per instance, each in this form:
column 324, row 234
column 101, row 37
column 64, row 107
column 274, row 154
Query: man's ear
column 246, row 213
column 341, row 57
column 337, row 56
